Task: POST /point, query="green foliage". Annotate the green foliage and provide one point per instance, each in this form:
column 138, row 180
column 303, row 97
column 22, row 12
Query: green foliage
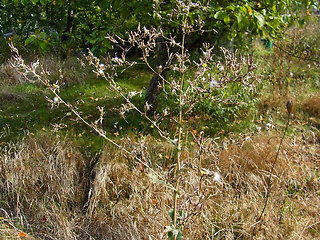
column 29, row 112
column 99, row 42
column 40, row 42
column 237, row 113
column 5, row 51
column 175, row 233
column 251, row 18
column 80, row 24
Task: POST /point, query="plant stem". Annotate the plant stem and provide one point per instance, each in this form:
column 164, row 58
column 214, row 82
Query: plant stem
column 177, row 171
column 26, row 69
column 272, row 168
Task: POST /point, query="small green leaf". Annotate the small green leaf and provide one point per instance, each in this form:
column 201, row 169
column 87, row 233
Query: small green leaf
column 156, row 179
column 44, row 46
column 28, row 41
column 243, row 9
column 171, row 213
column 170, row 235
column 91, row 40
column 260, row 18
column 226, row 19
column 182, row 213
column 42, row 35
column 230, row 7
column 285, row 19
column 301, row 23
column 243, row 21
column 220, row 15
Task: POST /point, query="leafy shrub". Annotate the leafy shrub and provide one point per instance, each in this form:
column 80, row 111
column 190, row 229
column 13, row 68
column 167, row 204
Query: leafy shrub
column 41, row 42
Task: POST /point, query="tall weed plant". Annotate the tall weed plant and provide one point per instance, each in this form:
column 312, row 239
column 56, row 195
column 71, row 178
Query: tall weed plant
column 209, row 82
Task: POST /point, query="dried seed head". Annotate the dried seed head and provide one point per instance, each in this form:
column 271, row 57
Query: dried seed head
column 289, row 106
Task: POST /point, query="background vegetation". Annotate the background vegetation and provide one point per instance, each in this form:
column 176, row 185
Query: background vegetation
column 60, row 180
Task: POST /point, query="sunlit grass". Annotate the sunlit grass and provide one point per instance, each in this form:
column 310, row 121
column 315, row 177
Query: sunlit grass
column 26, row 110
column 71, row 184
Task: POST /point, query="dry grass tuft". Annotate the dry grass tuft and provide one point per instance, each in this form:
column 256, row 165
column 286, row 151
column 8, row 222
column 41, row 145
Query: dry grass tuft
column 43, row 179
column 47, row 182
column 251, row 158
column 312, row 106
column 246, row 168
column 9, row 76
column 68, row 71
column 9, row 230
column 126, row 200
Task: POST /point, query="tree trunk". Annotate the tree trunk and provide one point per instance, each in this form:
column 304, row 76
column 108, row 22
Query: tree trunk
column 69, row 27
column 156, row 82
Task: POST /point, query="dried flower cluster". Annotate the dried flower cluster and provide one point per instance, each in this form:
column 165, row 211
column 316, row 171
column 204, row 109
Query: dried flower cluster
column 207, row 76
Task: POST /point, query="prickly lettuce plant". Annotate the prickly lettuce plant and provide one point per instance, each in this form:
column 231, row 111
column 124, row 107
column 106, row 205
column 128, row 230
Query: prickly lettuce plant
column 194, row 81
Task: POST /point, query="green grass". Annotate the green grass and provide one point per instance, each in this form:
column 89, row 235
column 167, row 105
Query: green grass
column 26, row 110
column 29, row 112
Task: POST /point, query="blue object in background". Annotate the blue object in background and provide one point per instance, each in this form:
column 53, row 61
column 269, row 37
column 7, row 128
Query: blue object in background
column 267, row 43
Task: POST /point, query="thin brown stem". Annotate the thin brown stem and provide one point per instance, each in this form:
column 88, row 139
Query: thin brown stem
column 24, row 69
column 177, row 171
column 271, row 171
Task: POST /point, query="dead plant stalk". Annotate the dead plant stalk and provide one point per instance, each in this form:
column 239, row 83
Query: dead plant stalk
column 19, row 64
column 187, row 90
column 269, row 184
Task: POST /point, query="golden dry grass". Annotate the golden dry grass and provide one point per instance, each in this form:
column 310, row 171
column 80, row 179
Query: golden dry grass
column 69, row 71
column 9, row 76
column 43, row 180
column 52, row 186
column 312, row 106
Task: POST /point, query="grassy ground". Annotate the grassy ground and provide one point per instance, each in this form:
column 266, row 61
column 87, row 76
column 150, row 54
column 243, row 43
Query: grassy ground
column 49, row 186
column 26, row 111
column 59, row 180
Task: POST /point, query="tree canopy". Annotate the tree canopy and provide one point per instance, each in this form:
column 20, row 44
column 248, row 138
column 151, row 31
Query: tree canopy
column 67, row 25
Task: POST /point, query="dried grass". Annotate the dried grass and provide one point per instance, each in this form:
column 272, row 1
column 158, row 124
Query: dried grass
column 8, row 229
column 9, row 76
column 127, row 198
column 67, row 72
column 312, row 106
column 45, row 178
column 246, row 167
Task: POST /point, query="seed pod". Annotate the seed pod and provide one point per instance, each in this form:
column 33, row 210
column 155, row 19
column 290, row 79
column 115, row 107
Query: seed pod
column 289, row 106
